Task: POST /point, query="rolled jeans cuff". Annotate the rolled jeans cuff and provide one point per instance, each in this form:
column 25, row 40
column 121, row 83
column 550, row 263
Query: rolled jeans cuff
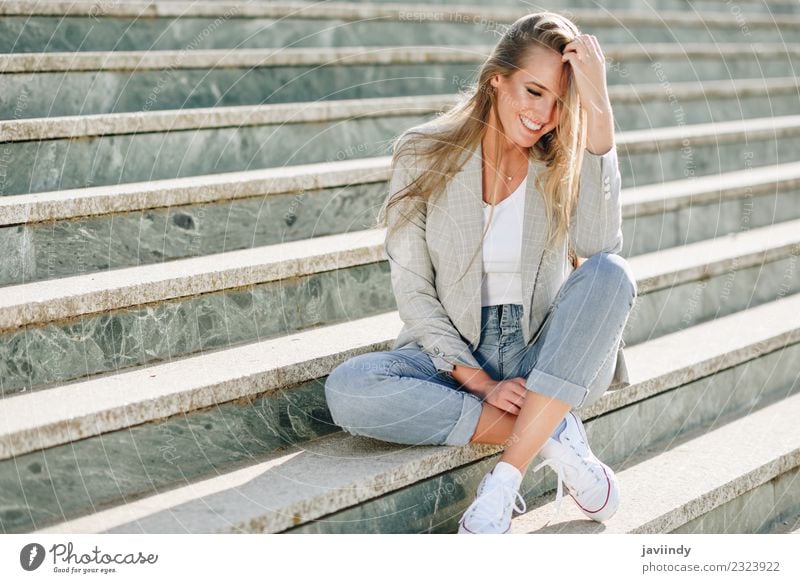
column 464, row 429
column 556, row 388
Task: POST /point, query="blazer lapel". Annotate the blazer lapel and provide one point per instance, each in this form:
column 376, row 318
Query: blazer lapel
column 464, row 206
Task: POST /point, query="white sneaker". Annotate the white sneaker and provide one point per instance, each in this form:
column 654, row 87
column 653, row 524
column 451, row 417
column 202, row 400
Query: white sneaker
column 591, row 483
column 491, row 511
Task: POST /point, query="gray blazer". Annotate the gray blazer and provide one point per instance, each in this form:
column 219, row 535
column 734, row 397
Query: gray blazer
column 427, row 256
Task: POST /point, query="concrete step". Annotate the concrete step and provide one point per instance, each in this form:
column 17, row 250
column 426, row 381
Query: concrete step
column 151, row 222
column 741, row 9
column 40, row 419
column 683, row 286
column 112, row 320
column 340, row 483
column 790, row 525
column 79, row 83
column 35, row 27
column 636, row 106
column 679, row 212
column 661, row 279
column 82, row 158
column 738, row 478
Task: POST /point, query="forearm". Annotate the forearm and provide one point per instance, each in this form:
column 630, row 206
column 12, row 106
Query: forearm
column 600, row 127
column 475, row 380
column 596, row 222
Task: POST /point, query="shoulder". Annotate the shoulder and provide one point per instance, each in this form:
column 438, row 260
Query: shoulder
column 409, row 150
column 411, row 140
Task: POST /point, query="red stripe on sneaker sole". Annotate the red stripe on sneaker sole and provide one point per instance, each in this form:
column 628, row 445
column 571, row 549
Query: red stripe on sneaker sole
column 608, row 495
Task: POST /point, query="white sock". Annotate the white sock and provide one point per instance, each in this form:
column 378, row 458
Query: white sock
column 508, row 473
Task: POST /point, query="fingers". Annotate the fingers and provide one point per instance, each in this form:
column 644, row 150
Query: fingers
column 508, row 406
column 509, row 395
column 517, row 393
column 583, row 47
column 516, row 399
column 521, row 382
column 595, row 46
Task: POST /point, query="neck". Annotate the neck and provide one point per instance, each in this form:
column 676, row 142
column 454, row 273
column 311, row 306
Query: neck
column 494, row 137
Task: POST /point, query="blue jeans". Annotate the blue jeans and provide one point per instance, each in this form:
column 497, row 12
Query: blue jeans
column 399, row 396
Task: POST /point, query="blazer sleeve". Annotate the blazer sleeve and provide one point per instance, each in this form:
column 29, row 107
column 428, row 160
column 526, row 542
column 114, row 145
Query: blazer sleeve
column 412, row 276
column 596, row 223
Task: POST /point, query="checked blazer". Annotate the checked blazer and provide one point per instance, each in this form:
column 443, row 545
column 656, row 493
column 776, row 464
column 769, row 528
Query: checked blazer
column 439, row 302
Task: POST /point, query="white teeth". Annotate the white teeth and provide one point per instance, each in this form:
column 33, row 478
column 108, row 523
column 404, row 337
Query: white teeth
column 529, row 124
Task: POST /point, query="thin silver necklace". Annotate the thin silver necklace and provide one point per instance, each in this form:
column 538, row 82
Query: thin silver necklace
column 486, row 204
column 512, row 176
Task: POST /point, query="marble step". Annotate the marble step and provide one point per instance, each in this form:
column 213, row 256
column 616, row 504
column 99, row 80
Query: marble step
column 110, row 321
column 741, row 9
column 789, row 525
column 34, row 27
column 677, row 289
column 737, row 478
column 345, row 483
column 744, row 7
column 79, row 83
column 57, row 163
column 150, row 222
column 636, row 106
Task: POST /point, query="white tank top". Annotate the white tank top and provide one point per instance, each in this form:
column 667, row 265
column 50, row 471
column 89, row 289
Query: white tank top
column 502, row 250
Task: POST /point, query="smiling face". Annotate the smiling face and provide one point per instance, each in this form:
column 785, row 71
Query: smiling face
column 529, row 96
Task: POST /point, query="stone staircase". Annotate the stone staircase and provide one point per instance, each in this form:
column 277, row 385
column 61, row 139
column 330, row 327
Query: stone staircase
column 188, row 250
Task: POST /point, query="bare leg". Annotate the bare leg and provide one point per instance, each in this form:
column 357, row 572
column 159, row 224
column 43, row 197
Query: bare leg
column 495, row 426
column 536, row 421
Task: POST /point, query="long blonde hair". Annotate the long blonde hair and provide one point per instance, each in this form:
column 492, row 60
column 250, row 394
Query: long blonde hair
column 461, row 128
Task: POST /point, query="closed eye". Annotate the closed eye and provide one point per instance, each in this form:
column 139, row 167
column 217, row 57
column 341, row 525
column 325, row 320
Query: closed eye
column 536, row 93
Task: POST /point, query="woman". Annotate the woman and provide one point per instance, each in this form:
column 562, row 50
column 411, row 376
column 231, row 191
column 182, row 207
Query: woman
column 499, row 351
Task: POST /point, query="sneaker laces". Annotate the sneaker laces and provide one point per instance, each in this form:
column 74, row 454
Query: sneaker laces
column 590, row 477
column 491, row 507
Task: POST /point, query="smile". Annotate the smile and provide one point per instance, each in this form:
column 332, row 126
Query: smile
column 534, row 127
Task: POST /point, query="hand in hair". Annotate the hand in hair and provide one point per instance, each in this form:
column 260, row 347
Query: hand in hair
column 589, row 67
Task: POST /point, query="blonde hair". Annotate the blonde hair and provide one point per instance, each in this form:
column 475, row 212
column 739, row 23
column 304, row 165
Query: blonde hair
column 462, row 127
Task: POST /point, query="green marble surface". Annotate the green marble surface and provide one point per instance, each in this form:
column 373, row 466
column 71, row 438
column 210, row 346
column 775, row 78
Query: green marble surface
column 36, row 357
column 61, row 164
column 24, row 34
column 757, row 511
column 748, row 7
column 678, row 307
column 89, row 92
column 42, row 488
column 53, row 94
column 699, row 222
column 40, row 251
